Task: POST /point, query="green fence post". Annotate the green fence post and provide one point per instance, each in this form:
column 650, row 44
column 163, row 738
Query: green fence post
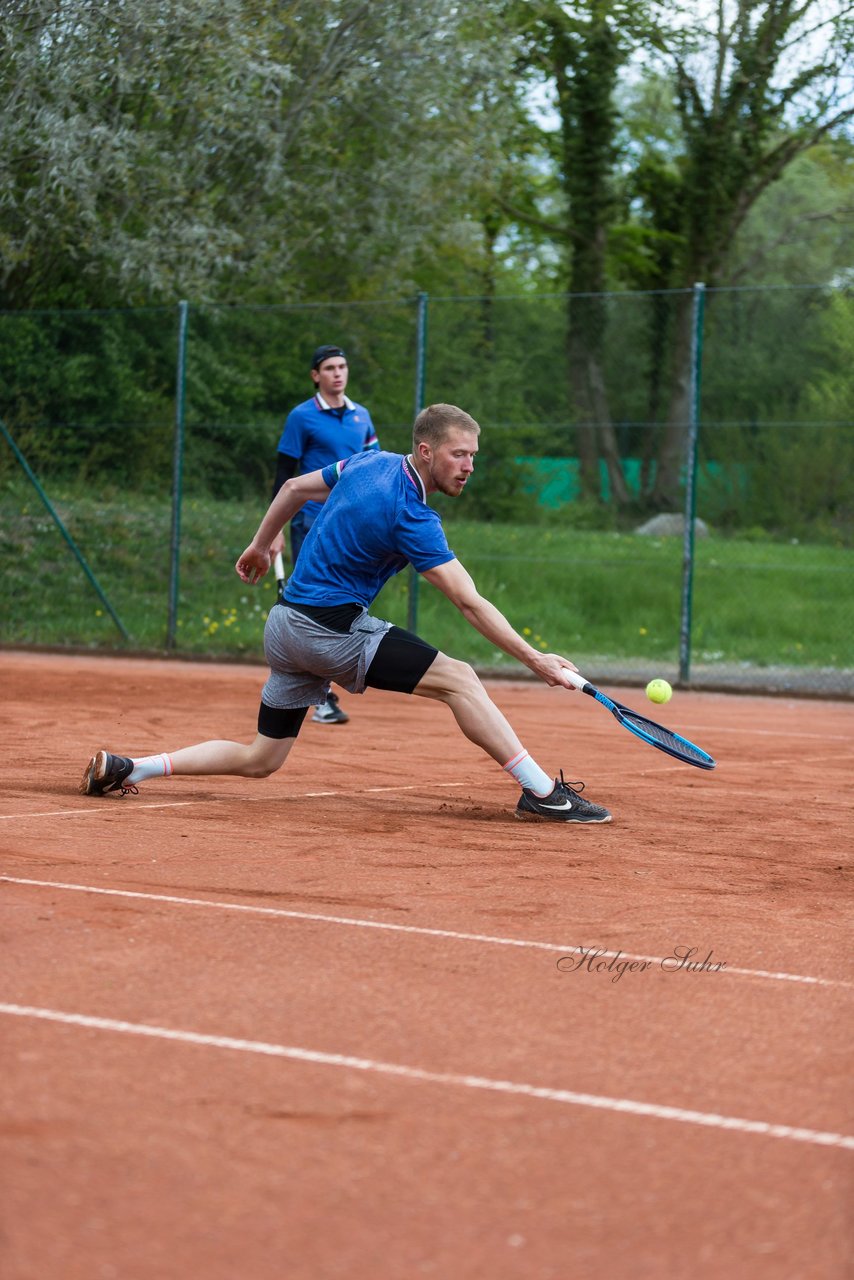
column 177, row 474
column 420, row 370
column 54, row 515
column 691, row 486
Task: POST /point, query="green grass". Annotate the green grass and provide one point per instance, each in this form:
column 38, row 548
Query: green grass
column 620, row 595
column 576, row 592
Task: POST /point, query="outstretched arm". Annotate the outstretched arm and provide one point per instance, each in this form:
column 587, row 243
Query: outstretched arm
column 456, row 583
column 286, row 467
column 290, row 499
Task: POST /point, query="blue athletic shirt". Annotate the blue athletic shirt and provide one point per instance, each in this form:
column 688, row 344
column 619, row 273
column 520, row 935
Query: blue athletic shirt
column 317, row 436
column 374, row 523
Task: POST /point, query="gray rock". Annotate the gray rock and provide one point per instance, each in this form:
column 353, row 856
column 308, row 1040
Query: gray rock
column 671, row 525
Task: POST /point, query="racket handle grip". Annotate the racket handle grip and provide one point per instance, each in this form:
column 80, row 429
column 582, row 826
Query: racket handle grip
column 574, row 678
column 279, row 567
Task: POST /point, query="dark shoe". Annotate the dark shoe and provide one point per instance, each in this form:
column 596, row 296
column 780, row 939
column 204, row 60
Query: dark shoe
column 107, row 773
column 563, row 805
column 329, row 712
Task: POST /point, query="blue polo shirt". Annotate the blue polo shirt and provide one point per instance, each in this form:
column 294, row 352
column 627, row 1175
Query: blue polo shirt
column 317, row 435
column 374, row 523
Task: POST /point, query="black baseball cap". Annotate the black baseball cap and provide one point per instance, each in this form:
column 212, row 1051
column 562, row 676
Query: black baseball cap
column 325, row 353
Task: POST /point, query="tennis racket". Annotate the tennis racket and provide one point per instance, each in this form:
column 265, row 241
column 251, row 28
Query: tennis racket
column 279, row 570
column 645, row 729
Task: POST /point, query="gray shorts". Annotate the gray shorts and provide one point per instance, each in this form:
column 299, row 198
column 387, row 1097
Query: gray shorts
column 305, row 657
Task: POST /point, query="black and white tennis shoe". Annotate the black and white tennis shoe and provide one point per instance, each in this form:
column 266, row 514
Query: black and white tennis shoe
column 564, row 804
column 329, row 712
column 106, row 772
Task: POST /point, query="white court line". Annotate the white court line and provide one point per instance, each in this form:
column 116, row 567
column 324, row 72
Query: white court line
column 92, row 811
column 420, row 930
column 626, row 1106
column 769, row 733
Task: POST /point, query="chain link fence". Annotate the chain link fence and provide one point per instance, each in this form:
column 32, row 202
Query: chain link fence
column 138, row 448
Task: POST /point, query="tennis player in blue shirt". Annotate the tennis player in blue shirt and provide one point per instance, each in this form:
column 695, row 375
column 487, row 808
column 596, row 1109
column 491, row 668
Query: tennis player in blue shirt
column 374, row 521
column 324, row 429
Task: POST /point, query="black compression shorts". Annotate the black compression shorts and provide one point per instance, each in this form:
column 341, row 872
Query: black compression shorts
column 276, row 722
column 400, row 661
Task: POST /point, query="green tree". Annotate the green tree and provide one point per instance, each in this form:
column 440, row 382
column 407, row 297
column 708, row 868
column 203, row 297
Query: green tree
column 762, row 87
column 152, row 149
column 801, row 229
column 580, row 52
column 744, row 97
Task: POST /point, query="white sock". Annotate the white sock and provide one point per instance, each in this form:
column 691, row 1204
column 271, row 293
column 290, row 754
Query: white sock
column 529, row 774
column 151, row 767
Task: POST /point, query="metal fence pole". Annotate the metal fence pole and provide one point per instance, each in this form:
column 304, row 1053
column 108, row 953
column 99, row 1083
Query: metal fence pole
column 691, row 486
column 420, row 372
column 60, row 524
column 177, row 474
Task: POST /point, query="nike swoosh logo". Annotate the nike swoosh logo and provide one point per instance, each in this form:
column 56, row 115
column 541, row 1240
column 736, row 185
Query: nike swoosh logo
column 567, row 804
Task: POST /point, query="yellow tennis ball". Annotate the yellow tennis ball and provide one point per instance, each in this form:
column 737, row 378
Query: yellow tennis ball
column 659, row 691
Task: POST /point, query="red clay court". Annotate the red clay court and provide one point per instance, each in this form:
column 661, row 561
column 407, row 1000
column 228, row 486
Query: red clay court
column 355, row 1020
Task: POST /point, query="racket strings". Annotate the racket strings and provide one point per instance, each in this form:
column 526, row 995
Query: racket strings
column 665, row 737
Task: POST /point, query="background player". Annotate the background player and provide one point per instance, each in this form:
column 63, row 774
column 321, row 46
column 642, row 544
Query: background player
column 324, row 429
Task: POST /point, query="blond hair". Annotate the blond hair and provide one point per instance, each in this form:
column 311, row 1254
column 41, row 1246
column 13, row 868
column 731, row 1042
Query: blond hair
column 433, row 424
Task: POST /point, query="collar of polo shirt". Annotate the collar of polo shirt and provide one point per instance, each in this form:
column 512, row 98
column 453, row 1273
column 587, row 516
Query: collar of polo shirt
column 348, row 403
